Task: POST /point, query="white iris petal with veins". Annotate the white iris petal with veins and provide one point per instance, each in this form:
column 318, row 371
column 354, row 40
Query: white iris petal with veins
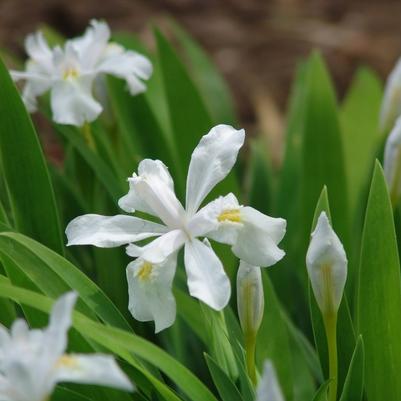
column 69, row 72
column 252, row 235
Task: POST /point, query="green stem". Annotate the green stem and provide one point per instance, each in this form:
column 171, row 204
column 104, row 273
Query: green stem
column 250, row 346
column 330, row 324
column 87, row 133
column 396, row 181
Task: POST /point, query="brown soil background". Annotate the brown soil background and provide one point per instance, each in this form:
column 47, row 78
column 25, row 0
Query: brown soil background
column 255, row 43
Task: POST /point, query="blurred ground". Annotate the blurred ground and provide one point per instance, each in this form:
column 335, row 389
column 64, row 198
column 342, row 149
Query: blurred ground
column 255, row 43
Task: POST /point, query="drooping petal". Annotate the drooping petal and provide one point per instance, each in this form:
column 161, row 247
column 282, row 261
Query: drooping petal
column 257, row 240
column 95, row 369
column 392, row 160
column 269, row 387
column 160, row 248
column 211, row 162
column 155, row 187
column 72, row 101
column 106, row 232
column 391, row 105
column 207, row 279
column 326, row 262
column 150, row 291
column 128, row 65
column 92, row 44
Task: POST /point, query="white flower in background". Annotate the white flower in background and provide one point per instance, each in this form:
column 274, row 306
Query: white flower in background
column 252, row 235
column 69, row 72
column 327, row 266
column 391, row 105
column 250, row 298
column 392, row 161
column 32, row 362
column 269, row 387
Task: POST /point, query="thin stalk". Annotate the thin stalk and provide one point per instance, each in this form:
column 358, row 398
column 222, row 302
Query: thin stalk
column 330, row 324
column 250, row 347
column 87, row 133
column 396, row 181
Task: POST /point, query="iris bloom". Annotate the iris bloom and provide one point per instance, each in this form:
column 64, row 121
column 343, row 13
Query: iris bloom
column 32, row 362
column 269, row 387
column 392, row 162
column 252, row 235
column 327, row 266
column 69, row 72
column 391, row 105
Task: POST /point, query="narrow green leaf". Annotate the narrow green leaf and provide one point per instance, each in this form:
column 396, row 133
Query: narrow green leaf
column 321, row 394
column 24, row 168
column 353, row 386
column 379, row 296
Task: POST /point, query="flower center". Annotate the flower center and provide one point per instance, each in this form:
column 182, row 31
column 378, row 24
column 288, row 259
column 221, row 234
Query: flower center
column 145, row 271
column 232, row 215
column 70, row 73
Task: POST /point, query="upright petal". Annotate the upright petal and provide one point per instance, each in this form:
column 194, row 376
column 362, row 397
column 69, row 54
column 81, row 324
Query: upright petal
column 132, row 202
column 207, row 279
column 106, row 232
column 150, row 291
column 391, row 105
column 128, row 65
column 72, row 101
column 39, row 51
column 392, row 161
column 95, row 369
column 327, row 266
column 269, row 387
column 160, row 248
column 155, row 187
column 211, row 162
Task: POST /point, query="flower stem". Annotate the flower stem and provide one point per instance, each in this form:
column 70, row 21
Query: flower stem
column 250, row 346
column 87, row 133
column 330, row 324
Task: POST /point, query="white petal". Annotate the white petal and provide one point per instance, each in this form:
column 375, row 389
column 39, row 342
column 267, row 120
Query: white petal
column 128, row 65
column 39, row 51
column 132, row 202
column 106, row 232
column 154, row 186
column 327, row 265
column 160, row 248
column 207, row 279
column 72, row 101
column 257, row 240
column 91, row 46
column 211, row 161
column 392, row 157
column 150, row 291
column 391, row 105
column 92, row 369
column 269, row 386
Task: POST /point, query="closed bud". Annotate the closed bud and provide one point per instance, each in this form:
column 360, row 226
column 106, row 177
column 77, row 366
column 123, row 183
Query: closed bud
column 327, row 266
column 250, row 298
column 391, row 106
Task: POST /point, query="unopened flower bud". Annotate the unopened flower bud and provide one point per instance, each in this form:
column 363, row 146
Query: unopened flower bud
column 327, row 266
column 250, row 298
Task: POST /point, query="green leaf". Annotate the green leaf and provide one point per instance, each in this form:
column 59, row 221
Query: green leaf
column 353, row 386
column 24, row 168
column 224, row 385
column 379, row 296
column 360, row 128
column 321, row 394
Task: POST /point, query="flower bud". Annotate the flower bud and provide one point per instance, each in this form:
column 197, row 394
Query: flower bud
column 327, row 266
column 391, row 106
column 269, row 387
column 250, row 298
column 392, row 161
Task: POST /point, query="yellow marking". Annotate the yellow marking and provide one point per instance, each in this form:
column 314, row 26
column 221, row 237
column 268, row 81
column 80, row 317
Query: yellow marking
column 145, row 271
column 232, row 215
column 70, row 73
column 67, row 361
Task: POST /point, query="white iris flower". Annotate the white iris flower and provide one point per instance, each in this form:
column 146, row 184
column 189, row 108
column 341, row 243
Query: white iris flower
column 69, row 72
column 32, row 362
column 252, row 235
column 269, row 387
